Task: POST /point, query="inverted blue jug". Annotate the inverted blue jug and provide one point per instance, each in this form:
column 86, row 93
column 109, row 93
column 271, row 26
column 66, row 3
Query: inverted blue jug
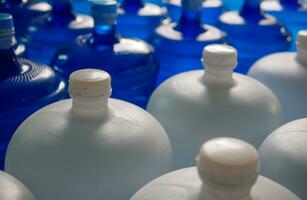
column 253, row 34
column 179, row 44
column 130, row 62
column 45, row 34
column 24, row 85
column 211, row 10
column 23, row 11
column 138, row 19
column 291, row 13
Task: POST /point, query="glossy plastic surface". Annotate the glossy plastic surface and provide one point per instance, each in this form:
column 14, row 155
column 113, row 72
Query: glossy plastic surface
column 283, row 156
column 23, row 12
column 139, row 20
column 285, row 8
column 90, row 146
column 26, row 87
column 210, row 12
column 199, row 105
column 253, row 34
column 179, row 45
column 59, row 27
column 131, row 63
column 12, row 189
column 227, row 169
column 287, row 78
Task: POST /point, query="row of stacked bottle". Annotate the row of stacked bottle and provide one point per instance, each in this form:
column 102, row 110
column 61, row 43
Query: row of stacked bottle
column 193, row 107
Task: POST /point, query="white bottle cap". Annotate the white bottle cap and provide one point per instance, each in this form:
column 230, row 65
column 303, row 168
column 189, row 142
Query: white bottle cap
column 90, row 83
column 228, row 162
column 220, row 56
column 104, row 12
column 302, row 39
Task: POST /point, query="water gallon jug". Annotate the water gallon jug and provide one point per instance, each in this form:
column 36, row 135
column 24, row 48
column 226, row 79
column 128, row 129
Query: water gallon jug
column 202, row 104
column 227, row 169
column 90, row 146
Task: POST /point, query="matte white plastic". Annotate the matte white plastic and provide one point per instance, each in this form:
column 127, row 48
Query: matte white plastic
column 196, row 106
column 12, row 189
column 90, row 147
column 284, row 156
column 227, row 169
column 285, row 74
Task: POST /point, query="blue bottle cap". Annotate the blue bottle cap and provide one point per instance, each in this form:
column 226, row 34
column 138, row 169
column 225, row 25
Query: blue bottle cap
column 6, row 25
column 104, row 12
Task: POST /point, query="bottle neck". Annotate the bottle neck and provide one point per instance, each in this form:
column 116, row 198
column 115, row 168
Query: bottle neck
column 62, row 12
column 132, row 5
column 217, row 76
column 213, row 192
column 10, row 65
column 104, row 35
column 90, row 106
column 190, row 22
column 301, row 55
column 251, row 10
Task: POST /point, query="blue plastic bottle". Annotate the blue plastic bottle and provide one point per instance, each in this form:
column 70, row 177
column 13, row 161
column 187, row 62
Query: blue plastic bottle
column 211, row 10
column 24, row 85
column 130, row 62
column 291, row 13
column 138, row 19
column 253, row 34
column 23, row 12
column 60, row 26
column 179, row 45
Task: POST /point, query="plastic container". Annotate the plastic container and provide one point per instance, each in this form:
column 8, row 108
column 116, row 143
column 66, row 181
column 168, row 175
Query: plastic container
column 131, row 62
column 138, row 19
column 179, row 45
column 283, row 155
column 60, row 26
column 24, row 85
column 12, row 189
column 285, row 73
column 210, row 11
column 253, row 34
column 283, row 9
column 227, row 169
column 24, row 11
column 196, row 106
column 90, row 146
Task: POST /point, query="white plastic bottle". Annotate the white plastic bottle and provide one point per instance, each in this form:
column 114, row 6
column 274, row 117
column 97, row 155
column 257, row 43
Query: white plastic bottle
column 284, row 156
column 12, row 189
column 227, row 169
column 90, row 146
column 285, row 73
column 199, row 105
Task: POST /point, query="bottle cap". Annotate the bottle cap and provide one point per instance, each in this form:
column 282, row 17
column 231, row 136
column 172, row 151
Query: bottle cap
column 219, row 56
column 104, row 12
column 6, row 25
column 302, row 39
column 228, row 162
column 90, row 83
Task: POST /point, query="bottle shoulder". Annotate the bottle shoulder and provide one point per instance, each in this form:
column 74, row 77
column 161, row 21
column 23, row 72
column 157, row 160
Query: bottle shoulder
column 11, row 188
column 41, row 29
column 281, row 66
column 148, row 10
column 185, row 184
column 33, row 84
column 124, row 124
column 189, row 89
